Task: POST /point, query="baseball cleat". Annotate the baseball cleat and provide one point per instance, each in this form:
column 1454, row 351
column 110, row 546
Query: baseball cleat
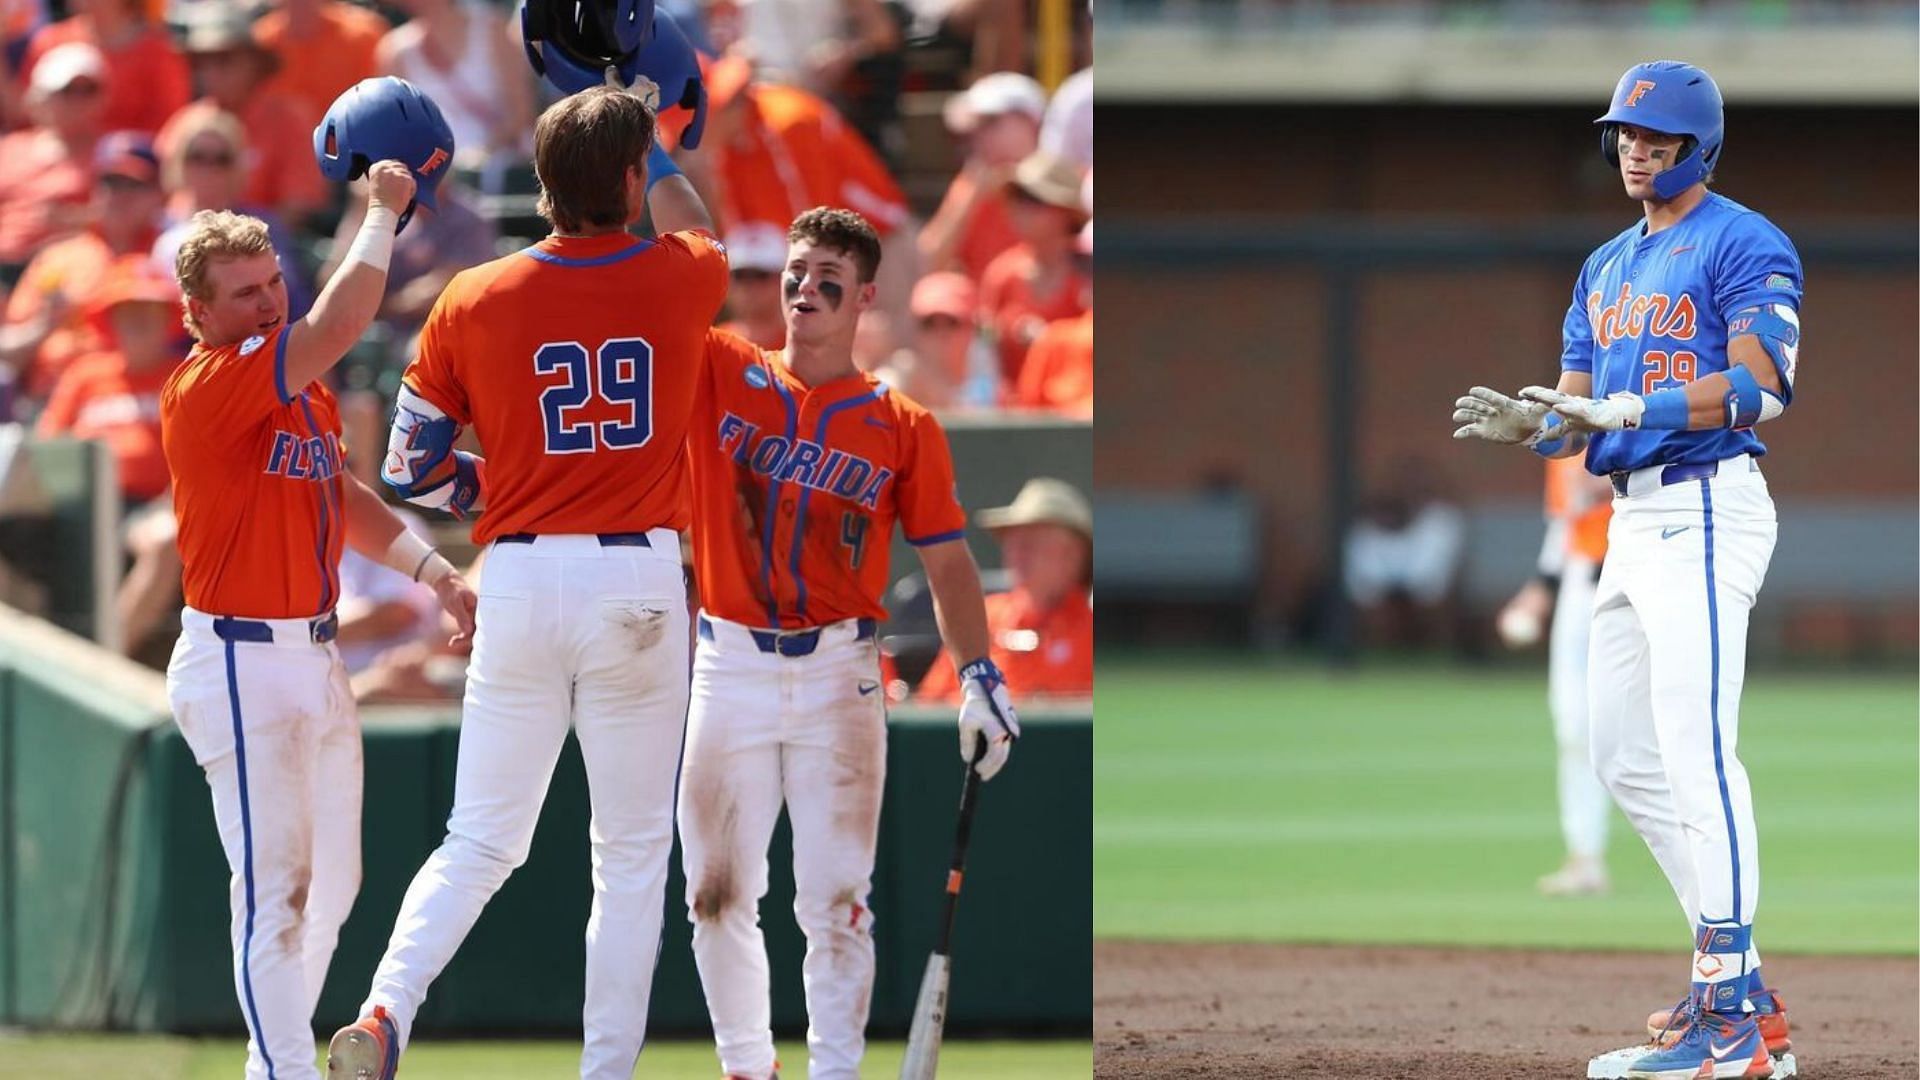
column 1713, row 1045
column 1769, row 1012
column 1581, row 875
column 368, row 1049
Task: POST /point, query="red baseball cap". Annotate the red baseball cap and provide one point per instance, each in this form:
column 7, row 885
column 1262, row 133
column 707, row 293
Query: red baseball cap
column 944, row 293
column 129, row 154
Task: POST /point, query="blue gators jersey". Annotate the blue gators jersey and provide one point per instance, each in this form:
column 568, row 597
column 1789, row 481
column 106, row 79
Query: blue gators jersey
column 1650, row 312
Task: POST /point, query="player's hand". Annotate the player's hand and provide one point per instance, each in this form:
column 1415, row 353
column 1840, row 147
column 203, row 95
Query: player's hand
column 986, row 711
column 1524, row 618
column 457, row 599
column 390, row 184
column 1620, row 412
column 1495, row 417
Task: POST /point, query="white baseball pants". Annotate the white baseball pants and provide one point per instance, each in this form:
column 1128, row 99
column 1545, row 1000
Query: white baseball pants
column 274, row 727
column 1584, row 804
column 1684, row 565
column 570, row 632
column 810, row 731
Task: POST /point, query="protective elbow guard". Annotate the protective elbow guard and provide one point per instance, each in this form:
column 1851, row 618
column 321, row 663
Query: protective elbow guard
column 421, row 439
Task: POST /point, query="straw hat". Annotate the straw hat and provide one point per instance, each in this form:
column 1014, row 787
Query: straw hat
column 1043, row 501
column 1049, row 179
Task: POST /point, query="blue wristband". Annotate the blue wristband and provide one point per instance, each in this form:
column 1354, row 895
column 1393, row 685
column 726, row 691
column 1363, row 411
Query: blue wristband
column 659, row 165
column 1667, row 410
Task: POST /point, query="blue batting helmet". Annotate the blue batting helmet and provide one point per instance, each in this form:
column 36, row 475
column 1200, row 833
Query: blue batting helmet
column 1674, row 99
column 378, row 119
column 572, row 43
column 670, row 63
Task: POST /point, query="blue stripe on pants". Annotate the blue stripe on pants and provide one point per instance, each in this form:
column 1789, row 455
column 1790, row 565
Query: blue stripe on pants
column 1719, row 761
column 246, row 862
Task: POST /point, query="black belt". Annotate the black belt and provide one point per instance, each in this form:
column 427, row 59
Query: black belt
column 791, row 642
column 1672, row 474
column 627, row 539
column 320, row 630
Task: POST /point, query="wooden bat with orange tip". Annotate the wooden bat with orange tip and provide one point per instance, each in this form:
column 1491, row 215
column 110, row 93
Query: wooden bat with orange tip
column 922, row 1060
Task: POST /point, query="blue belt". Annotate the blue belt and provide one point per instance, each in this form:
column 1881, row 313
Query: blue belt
column 1672, row 474
column 790, row 642
column 320, row 630
column 627, row 539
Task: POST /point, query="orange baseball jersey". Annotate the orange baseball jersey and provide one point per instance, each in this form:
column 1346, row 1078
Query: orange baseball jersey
column 576, row 362
column 1587, row 515
column 797, row 489
column 257, row 487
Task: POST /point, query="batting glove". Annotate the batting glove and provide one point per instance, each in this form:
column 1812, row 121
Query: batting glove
column 986, row 711
column 1621, row 412
column 1495, row 417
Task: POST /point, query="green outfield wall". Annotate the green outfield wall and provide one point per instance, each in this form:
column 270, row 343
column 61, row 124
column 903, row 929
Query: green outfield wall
column 113, row 909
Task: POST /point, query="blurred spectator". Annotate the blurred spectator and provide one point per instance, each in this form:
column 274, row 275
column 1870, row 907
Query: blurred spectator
column 113, row 395
column 436, row 246
column 1403, row 559
column 1067, row 130
column 813, row 44
column 379, row 608
column 757, row 253
column 991, row 34
column 936, row 370
column 46, row 171
column 146, row 78
column 231, row 69
column 46, row 326
column 457, row 52
column 1058, row 374
column 204, row 170
column 1042, row 628
column 323, row 47
column 999, row 116
column 1035, row 282
column 778, row 151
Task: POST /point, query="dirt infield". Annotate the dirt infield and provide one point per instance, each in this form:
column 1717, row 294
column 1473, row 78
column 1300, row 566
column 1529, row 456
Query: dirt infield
column 1278, row 1012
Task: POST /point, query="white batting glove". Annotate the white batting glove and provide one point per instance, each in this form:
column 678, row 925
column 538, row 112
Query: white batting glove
column 1495, row 417
column 986, row 711
column 1620, row 412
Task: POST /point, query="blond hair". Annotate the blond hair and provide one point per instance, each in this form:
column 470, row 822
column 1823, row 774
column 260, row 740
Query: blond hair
column 216, row 235
column 218, row 122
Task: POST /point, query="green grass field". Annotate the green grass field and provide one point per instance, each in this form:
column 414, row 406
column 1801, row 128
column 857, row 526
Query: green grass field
column 1244, row 800
column 92, row 1057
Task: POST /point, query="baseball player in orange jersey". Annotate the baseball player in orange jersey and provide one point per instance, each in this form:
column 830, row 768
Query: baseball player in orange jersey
column 1578, row 507
column 801, row 466
column 252, row 440
column 575, row 361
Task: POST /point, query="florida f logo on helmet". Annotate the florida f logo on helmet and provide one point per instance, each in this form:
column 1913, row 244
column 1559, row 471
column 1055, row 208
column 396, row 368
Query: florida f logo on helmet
column 1640, row 88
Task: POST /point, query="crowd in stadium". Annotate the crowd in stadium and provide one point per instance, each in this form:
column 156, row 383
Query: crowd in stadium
column 119, row 119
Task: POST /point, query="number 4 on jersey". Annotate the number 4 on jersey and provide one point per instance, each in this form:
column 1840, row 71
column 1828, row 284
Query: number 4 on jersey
column 622, row 376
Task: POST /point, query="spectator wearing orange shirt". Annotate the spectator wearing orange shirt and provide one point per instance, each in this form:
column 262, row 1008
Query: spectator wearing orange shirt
column 935, row 369
column 1000, row 118
column 1058, row 374
column 46, row 171
column 1042, row 628
column 1035, row 282
column 46, row 326
column 232, row 69
column 756, row 254
column 146, row 77
column 114, row 396
column 323, row 47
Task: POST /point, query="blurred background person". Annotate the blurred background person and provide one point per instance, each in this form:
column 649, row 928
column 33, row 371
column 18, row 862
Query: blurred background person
column 146, row 77
column 459, row 53
column 1403, row 560
column 48, row 318
column 1067, row 129
column 999, row 119
column 756, row 255
column 204, row 169
column 944, row 366
column 232, row 71
column 1035, row 281
column 321, row 47
column 1043, row 625
column 112, row 394
column 1058, row 373
column 46, row 170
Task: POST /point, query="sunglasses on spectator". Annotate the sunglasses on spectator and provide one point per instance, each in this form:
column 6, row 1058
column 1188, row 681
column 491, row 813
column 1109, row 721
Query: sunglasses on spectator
column 752, row 276
column 941, row 322
column 79, row 88
column 218, row 158
column 116, row 182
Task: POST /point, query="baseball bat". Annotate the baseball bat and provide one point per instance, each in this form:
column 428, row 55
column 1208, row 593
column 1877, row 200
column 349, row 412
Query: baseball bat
column 922, row 1060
